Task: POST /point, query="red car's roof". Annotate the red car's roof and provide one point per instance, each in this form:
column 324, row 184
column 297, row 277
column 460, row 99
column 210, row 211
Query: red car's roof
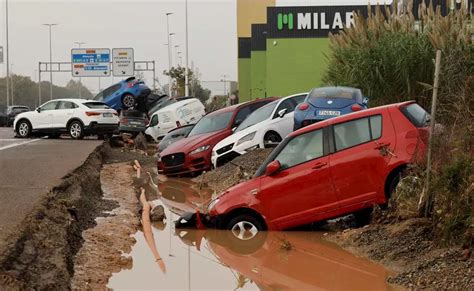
column 348, row 117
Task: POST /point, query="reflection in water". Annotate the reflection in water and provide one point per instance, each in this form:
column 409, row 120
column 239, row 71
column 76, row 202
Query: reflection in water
column 215, row 259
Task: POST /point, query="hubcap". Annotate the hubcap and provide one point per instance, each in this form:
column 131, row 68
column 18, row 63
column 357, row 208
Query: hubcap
column 244, row 230
column 23, row 129
column 75, row 130
column 128, row 101
column 271, row 140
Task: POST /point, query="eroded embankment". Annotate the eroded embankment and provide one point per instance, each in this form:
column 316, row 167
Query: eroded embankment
column 101, row 254
column 42, row 257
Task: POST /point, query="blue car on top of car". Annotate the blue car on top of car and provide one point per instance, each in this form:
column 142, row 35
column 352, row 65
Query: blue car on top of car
column 125, row 94
column 326, row 102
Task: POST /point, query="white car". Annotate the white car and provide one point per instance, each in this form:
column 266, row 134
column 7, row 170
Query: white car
column 78, row 117
column 265, row 127
column 181, row 113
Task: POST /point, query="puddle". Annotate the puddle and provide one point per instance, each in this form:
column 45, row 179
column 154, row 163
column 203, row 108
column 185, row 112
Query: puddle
column 213, row 259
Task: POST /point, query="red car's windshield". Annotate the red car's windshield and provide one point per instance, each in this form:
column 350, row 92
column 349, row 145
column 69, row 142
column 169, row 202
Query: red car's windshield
column 212, row 123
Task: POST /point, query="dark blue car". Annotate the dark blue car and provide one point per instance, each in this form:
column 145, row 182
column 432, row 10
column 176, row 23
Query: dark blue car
column 326, row 102
column 124, row 95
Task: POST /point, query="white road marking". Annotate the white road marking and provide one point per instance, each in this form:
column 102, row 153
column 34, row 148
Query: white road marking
column 17, row 144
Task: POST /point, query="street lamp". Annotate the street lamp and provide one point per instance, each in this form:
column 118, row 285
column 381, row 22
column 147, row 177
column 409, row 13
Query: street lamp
column 225, row 84
column 186, row 78
column 169, row 51
column 12, row 85
column 7, row 53
column 79, row 44
column 50, row 25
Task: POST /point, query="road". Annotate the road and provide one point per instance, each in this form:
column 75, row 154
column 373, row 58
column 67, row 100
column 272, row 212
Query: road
column 29, row 168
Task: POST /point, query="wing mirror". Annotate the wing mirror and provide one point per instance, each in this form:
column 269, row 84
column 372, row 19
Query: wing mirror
column 273, row 168
column 38, row 109
column 233, row 129
column 282, row 112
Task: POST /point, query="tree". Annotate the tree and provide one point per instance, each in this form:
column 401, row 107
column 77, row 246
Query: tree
column 196, row 90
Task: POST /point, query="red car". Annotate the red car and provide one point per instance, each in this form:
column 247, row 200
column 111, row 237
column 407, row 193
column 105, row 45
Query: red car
column 329, row 169
column 193, row 153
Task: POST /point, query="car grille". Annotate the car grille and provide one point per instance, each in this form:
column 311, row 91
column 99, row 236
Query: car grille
column 173, row 160
column 225, row 149
column 226, row 158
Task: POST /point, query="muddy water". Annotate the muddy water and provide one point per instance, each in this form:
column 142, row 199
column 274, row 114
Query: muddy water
column 212, row 259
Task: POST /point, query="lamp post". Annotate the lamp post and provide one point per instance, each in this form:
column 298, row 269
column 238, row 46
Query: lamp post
column 225, row 84
column 79, row 44
column 169, row 51
column 176, row 54
column 7, row 53
column 186, row 78
column 50, row 25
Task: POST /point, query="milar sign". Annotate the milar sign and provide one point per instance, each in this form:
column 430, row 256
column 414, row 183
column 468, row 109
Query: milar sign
column 315, row 20
column 310, row 21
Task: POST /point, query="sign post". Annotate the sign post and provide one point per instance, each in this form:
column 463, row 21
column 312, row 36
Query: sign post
column 123, row 63
column 1, row 54
column 88, row 62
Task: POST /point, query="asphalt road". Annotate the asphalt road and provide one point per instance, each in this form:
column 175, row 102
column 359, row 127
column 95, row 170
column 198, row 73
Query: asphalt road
column 29, row 168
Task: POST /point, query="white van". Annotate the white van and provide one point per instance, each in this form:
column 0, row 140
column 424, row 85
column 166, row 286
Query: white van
column 174, row 115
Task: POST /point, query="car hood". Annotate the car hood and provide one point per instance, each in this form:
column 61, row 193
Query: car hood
column 233, row 138
column 190, row 143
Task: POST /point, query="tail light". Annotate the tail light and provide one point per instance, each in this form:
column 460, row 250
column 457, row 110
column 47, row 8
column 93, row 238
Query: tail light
column 124, row 120
column 131, row 84
column 115, row 113
column 91, row 113
column 356, row 107
column 303, row 106
column 178, row 124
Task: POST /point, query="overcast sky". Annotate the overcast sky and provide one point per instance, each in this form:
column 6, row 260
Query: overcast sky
column 110, row 23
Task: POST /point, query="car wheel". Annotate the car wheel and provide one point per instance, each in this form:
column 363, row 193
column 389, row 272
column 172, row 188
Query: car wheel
column 128, row 101
column 271, row 139
column 24, row 129
column 246, row 234
column 76, row 130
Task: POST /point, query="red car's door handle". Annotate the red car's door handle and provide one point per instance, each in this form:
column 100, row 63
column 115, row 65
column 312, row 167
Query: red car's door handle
column 319, row 165
column 381, row 145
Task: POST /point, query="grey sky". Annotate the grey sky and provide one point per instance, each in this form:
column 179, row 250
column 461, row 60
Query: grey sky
column 109, row 24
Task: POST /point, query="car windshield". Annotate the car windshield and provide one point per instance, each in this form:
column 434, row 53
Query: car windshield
column 257, row 116
column 133, row 113
column 174, row 136
column 416, row 114
column 96, row 105
column 212, row 123
column 162, row 103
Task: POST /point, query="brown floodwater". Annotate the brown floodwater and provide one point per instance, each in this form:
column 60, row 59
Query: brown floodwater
column 216, row 259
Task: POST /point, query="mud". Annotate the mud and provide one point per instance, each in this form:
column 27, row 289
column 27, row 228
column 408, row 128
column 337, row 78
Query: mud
column 42, row 257
column 409, row 247
column 105, row 244
column 240, row 169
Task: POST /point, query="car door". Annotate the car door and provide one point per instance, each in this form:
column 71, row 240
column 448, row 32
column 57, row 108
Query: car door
column 302, row 191
column 284, row 124
column 63, row 113
column 43, row 118
column 359, row 162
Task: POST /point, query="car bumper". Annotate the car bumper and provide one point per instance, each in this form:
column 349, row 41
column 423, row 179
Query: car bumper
column 132, row 129
column 220, row 159
column 100, row 128
column 192, row 163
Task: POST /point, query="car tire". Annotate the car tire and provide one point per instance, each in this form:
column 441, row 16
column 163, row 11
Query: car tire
column 270, row 139
column 76, row 130
column 246, row 234
column 23, row 128
column 128, row 101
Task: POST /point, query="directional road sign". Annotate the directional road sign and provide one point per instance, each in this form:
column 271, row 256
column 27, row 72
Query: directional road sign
column 88, row 62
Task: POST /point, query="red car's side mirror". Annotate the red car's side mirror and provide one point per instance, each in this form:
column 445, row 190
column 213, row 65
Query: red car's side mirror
column 272, row 168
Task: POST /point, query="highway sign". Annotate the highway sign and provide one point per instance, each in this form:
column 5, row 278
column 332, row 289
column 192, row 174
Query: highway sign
column 1, row 54
column 87, row 62
column 123, row 63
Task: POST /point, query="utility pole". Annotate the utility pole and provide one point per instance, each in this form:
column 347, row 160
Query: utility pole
column 176, row 55
column 79, row 44
column 12, row 86
column 7, row 53
column 225, row 84
column 50, row 25
column 186, row 71
column 169, row 51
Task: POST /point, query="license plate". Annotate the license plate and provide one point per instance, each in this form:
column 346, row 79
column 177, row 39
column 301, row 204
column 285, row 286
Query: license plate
column 107, row 114
column 329, row 112
column 135, row 123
